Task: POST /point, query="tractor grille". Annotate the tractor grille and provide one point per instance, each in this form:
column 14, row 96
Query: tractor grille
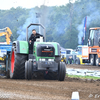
column 45, row 50
column 94, row 50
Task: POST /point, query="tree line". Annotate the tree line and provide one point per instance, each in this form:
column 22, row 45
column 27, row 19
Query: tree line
column 64, row 24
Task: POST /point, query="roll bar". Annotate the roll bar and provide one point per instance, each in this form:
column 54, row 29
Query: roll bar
column 44, row 34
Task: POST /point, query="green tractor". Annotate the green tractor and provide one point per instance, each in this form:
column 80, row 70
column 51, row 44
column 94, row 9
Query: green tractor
column 46, row 59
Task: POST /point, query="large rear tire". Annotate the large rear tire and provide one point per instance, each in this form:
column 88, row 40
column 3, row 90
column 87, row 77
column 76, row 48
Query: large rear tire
column 26, row 66
column 61, row 71
column 17, row 65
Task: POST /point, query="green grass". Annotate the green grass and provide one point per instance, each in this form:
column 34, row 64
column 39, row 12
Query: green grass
column 83, row 77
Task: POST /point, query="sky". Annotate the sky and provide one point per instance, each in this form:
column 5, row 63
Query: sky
column 7, row 4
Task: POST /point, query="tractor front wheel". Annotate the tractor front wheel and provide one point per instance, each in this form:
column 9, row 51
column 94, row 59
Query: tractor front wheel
column 28, row 70
column 61, row 71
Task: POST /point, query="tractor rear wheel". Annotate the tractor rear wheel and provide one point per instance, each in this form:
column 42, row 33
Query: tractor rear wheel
column 92, row 60
column 97, row 60
column 28, row 70
column 17, row 65
column 61, row 71
column 26, row 66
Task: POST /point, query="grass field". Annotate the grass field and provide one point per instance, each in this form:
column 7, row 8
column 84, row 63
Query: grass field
column 83, row 77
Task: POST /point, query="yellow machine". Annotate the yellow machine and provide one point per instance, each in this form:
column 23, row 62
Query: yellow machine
column 63, row 59
column 7, row 34
column 2, row 58
column 79, row 59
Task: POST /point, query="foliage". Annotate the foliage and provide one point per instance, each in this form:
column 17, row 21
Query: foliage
column 64, row 24
column 13, row 18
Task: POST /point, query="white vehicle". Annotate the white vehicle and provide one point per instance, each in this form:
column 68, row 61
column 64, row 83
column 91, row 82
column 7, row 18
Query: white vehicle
column 69, row 51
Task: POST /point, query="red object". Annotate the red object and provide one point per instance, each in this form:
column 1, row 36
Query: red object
column 47, row 51
column 46, row 72
column 12, row 62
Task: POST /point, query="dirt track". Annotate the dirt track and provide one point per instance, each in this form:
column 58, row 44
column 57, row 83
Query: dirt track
column 49, row 89
column 84, row 67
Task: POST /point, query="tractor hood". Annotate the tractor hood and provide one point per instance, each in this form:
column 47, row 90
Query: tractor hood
column 48, row 47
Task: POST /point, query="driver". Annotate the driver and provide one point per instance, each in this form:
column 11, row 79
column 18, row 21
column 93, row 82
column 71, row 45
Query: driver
column 32, row 38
